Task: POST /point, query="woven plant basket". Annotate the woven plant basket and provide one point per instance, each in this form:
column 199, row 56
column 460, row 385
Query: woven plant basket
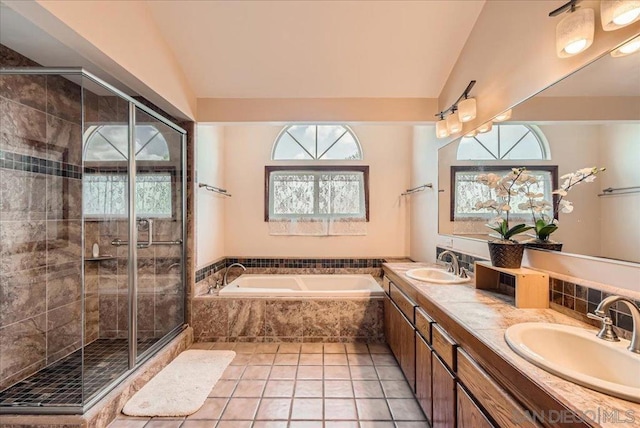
column 544, row 245
column 506, row 254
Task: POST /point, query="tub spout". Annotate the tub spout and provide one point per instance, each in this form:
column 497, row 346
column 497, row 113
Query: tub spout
column 224, row 281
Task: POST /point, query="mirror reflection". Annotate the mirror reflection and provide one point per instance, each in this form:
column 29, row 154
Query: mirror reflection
column 591, row 119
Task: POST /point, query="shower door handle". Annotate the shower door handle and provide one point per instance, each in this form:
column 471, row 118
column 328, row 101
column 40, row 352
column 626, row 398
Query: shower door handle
column 149, row 224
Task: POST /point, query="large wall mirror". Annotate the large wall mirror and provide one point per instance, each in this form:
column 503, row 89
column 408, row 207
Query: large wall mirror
column 589, row 119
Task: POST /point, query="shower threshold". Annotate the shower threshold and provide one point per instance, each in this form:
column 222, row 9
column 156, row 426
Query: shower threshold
column 63, row 384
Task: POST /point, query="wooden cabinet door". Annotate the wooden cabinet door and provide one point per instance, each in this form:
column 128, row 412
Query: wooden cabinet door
column 388, row 307
column 444, row 395
column 469, row 414
column 423, row 376
column 408, row 351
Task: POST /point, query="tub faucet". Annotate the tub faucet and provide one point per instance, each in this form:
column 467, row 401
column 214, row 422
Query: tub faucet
column 454, row 266
column 606, row 333
column 224, row 281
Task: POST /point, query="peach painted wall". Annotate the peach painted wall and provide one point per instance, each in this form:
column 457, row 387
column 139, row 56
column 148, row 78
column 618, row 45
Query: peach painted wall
column 119, row 36
column 386, row 150
column 210, row 168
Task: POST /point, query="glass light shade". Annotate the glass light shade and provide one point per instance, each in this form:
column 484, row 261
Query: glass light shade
column 454, row 124
column 505, row 115
column 574, row 33
column 467, row 109
column 628, row 48
column 616, row 14
column 441, row 129
column 485, row 127
column 471, row 134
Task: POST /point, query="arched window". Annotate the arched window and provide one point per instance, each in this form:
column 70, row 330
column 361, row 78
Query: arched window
column 111, row 142
column 316, row 142
column 505, row 142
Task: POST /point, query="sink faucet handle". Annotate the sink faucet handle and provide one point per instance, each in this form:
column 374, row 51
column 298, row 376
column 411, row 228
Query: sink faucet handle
column 464, row 273
column 606, row 332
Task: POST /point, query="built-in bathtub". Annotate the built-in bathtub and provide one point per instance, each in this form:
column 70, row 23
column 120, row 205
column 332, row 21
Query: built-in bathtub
column 335, row 286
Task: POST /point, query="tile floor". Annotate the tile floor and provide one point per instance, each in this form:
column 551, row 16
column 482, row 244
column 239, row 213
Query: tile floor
column 314, row 385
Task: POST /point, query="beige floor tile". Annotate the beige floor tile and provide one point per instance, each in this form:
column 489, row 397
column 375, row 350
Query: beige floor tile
column 256, row 372
column 289, row 348
column 234, row 424
column 245, row 348
column 211, row 409
column 396, row 389
column 384, row 360
column 379, row 348
column 336, row 372
column 286, row 360
column 128, row 423
column 267, row 348
column 341, row 424
column 405, row 409
column 334, row 348
column 279, row 388
column 363, row 373
column 356, row 348
column 241, row 409
column 249, row 388
column 305, row 424
column 283, row 372
column 270, row 424
column 241, row 359
column 199, row 424
column 312, row 348
column 339, row 409
column 367, row 389
column 310, row 359
column 389, row 373
column 360, row 360
column 274, row 409
column 379, row 424
column 164, row 423
column 308, row 388
column 310, row 372
column 307, row 408
column 232, row 372
column 335, row 360
column 261, row 359
column 373, row 409
column 224, row 346
column 401, row 424
column 202, row 345
column 223, row 388
column 338, row 389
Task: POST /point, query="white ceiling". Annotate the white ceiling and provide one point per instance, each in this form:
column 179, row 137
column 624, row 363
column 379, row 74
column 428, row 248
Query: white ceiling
column 316, row 49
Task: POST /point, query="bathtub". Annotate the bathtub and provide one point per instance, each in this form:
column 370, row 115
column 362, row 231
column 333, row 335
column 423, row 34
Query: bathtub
column 303, row 286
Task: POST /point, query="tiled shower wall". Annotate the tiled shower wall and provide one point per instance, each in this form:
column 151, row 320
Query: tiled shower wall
column 40, row 220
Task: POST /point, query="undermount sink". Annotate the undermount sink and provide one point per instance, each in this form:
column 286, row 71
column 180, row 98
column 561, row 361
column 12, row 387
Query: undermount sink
column 438, row 276
column 577, row 355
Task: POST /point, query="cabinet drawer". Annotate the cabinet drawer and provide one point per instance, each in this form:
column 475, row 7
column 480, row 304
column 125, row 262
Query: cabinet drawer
column 386, row 284
column 469, row 414
column 406, row 305
column 444, row 345
column 504, row 410
column 423, row 324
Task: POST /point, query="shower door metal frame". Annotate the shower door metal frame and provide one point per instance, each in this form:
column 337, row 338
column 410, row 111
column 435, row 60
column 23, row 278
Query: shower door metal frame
column 135, row 361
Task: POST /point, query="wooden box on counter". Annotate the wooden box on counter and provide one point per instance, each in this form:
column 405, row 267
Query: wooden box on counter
column 531, row 286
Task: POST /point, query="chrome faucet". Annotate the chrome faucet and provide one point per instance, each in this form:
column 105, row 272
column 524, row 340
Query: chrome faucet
column 224, row 281
column 454, row 266
column 601, row 313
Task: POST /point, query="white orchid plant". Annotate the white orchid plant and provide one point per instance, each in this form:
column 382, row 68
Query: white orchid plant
column 501, row 190
column 545, row 224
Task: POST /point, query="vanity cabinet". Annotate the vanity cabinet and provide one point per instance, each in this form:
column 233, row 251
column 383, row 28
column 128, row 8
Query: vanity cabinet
column 444, row 395
column 424, row 381
column 469, row 414
column 401, row 340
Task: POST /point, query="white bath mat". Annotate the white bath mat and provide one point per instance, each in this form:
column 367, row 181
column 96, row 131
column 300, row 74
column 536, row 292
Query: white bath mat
column 181, row 388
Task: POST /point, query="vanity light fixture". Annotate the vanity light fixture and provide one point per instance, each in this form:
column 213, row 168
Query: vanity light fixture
column 616, row 14
column 505, row 115
column 628, row 48
column 485, row 127
column 574, row 33
column 471, row 134
column 441, row 127
column 463, row 110
column 453, row 122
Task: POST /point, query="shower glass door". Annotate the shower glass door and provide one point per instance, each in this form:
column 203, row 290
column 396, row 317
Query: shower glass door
column 159, row 227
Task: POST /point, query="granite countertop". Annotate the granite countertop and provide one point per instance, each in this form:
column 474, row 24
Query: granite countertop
column 486, row 315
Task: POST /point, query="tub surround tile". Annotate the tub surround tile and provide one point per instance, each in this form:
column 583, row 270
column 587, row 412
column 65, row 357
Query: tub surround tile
column 22, row 295
column 284, row 318
column 246, row 318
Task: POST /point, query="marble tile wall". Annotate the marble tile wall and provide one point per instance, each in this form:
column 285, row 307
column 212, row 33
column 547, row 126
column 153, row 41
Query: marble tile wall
column 40, row 220
column 287, row 320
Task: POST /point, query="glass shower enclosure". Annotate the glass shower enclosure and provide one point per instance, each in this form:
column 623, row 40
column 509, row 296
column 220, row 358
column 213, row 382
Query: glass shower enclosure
column 92, row 232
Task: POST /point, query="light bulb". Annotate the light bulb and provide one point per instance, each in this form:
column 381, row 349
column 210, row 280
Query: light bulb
column 628, row 48
column 471, row 134
column 441, row 129
column 574, row 33
column 485, row 127
column 467, row 109
column 506, row 115
column 616, row 14
column 453, row 123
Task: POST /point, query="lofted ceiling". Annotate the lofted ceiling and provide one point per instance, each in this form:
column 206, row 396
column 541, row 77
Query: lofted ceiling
column 316, row 49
